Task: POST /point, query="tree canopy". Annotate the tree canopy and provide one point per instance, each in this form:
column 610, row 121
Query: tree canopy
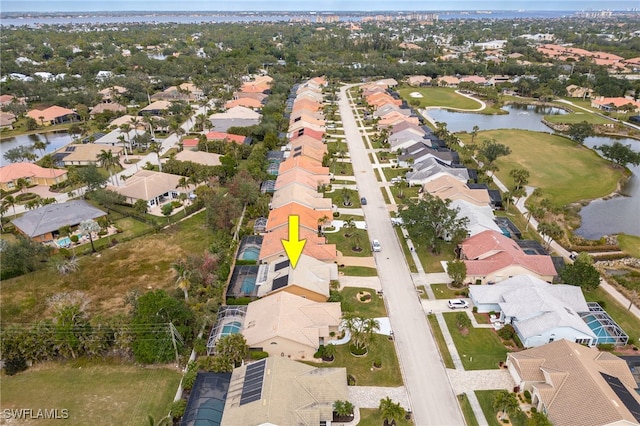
column 580, row 131
column 581, row 273
column 620, row 154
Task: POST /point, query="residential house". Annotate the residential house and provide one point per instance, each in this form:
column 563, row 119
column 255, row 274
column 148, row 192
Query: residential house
column 228, row 137
column 309, row 218
column 576, row 385
column 190, row 144
column 43, row 224
column 279, row 391
column 447, row 187
column 305, row 163
column 32, row 173
column 448, row 81
column 251, row 103
column 538, row 311
column 6, row 120
column 284, row 323
column 301, row 177
column 186, row 92
column 114, row 137
column 199, row 157
column 309, row 142
column 388, row 108
column 480, row 218
column 615, row 104
column 431, row 169
column 302, row 126
column 418, row 80
column 104, row 107
column 82, row 154
column 306, row 131
column 316, row 246
column 299, row 116
column 579, row 92
column 302, row 195
column 156, row 108
column 304, row 103
column 307, row 151
column 53, row 115
column 235, row 117
column 475, row 79
column 491, row 257
column 310, row 278
column 112, row 93
column 261, row 97
column 394, row 118
column 155, row 188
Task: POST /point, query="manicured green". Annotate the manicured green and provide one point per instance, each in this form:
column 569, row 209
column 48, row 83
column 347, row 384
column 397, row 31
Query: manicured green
column 467, row 411
column 630, row 244
column 359, row 271
column 345, row 245
column 577, row 117
column 629, row 323
column 565, row 171
column 391, row 172
column 442, row 291
column 337, row 198
column 361, row 368
column 482, row 318
column 373, row 417
column 407, row 192
column 405, row 250
column 432, row 262
column 95, row 393
column 440, row 97
column 442, row 345
column 372, row 309
column 480, row 349
column 485, row 397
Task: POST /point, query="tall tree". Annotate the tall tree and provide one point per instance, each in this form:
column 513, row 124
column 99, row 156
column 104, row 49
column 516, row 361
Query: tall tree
column 551, row 231
column 156, row 147
column 520, row 177
column 392, row 412
column 620, row 154
column 232, row 347
column 108, row 160
column 581, row 273
column 578, row 132
column 490, row 151
column 88, row 227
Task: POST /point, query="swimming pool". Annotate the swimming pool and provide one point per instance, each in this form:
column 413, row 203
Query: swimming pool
column 250, row 253
column 601, row 332
column 64, row 242
column 231, row 328
column 248, row 285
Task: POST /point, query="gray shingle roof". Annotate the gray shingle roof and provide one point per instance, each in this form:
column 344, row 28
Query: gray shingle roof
column 52, row 217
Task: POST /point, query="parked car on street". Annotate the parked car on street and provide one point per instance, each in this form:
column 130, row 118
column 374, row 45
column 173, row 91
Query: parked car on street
column 363, row 201
column 375, row 246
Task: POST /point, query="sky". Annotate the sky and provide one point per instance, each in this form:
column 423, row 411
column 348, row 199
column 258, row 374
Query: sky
column 297, row 5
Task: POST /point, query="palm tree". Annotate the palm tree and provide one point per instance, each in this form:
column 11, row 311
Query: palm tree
column 356, row 239
column 10, row 201
column 506, row 402
column 183, row 279
column 40, row 146
column 343, row 408
column 107, row 160
column 156, row 147
column 21, row 184
column 349, row 225
column 125, row 128
column 150, row 123
column 346, row 197
column 391, row 411
column 474, row 133
column 361, row 329
column 322, row 222
column 124, row 146
column 400, row 185
column 88, row 227
column 201, row 122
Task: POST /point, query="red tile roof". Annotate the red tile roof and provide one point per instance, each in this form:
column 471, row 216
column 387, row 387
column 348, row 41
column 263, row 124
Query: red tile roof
column 219, row 136
column 315, row 246
column 15, row 171
column 308, row 217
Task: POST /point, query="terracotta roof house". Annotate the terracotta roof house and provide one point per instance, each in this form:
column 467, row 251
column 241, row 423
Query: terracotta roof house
column 299, row 109
column 32, row 173
column 42, row 224
column 302, row 125
column 316, row 247
column 305, row 141
column 447, row 187
column 6, row 120
column 539, row 312
column 53, row 115
column 246, row 95
column 309, row 218
column 431, row 169
column 310, row 278
column 255, row 87
column 286, row 323
column 190, row 143
column 244, row 102
column 6, row 99
column 306, row 131
column 418, row 80
column 155, row 188
column 126, row 119
column 394, row 118
column 301, row 177
column 83, row 154
column 300, row 116
column 308, row 151
column 107, row 106
column 279, row 391
column 575, row 385
column 491, row 257
column 303, row 162
column 199, row 157
column 309, row 86
column 614, row 104
column 155, row 108
column 227, row 137
column 302, row 195
column 307, row 103
column 476, row 79
column 110, row 93
column 448, row 81
column 310, row 95
column 380, row 99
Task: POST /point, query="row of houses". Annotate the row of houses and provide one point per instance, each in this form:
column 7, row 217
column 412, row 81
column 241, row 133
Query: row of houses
column 573, row 54
column 290, row 318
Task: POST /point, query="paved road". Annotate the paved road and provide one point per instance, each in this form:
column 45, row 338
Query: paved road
column 432, row 399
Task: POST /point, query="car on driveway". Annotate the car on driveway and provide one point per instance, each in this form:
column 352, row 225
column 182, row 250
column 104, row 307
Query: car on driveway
column 458, row 304
column 375, row 246
column 363, row 201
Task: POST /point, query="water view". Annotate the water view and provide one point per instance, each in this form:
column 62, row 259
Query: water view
column 54, row 141
column 601, row 217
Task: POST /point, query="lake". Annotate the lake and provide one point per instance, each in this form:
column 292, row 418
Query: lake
column 54, row 141
column 600, row 217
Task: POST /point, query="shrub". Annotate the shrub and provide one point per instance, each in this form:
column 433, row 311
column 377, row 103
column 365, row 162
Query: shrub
column 351, row 380
column 365, row 297
column 178, row 407
column 377, row 363
column 607, row 347
column 474, row 310
column 527, row 396
column 507, row 332
column 74, row 238
column 257, row 355
column 534, row 410
column 492, row 313
column 15, row 364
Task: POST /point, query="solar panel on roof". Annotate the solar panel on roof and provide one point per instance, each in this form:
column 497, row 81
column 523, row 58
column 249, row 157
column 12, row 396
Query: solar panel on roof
column 623, row 393
column 252, row 384
column 281, row 265
column 297, row 148
column 280, row 282
column 297, row 154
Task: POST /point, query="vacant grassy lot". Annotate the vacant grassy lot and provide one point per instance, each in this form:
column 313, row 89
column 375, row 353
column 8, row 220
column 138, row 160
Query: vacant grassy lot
column 140, row 264
column 485, row 397
column 629, row 323
column 372, row 309
column 480, row 349
column 630, row 244
column 442, row 345
column 439, row 96
column 99, row 394
column 373, row 417
column 565, row 171
column 576, row 117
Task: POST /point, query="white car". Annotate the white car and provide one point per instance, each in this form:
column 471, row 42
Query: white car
column 375, row 246
column 458, row 304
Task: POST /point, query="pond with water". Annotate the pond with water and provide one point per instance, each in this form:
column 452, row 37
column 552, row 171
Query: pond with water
column 600, row 217
column 54, row 141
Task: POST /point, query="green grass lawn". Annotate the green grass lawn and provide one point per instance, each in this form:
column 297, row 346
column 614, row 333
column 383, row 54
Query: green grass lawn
column 405, row 250
column 422, row 292
column 576, row 117
column 629, row 323
column 407, row 192
column 343, row 168
column 442, row 345
column 485, row 397
column 439, row 96
column 467, row 411
column 345, row 245
column 391, row 172
column 431, row 262
column 373, row 417
column 480, row 349
column 565, row 171
column 381, row 349
column 359, row 271
column 94, row 393
column 630, row 244
column 442, row 291
column 373, row 309
column 337, row 198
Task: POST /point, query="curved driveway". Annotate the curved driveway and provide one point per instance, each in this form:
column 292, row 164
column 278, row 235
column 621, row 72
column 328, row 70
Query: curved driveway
column 432, row 399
